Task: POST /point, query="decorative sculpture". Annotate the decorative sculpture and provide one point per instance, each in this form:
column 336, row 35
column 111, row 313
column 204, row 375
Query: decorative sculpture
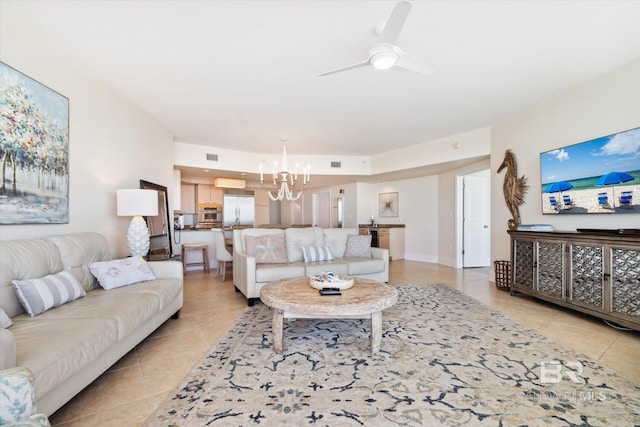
column 514, row 188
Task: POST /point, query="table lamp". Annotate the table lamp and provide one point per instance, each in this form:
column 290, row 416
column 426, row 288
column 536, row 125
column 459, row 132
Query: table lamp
column 136, row 203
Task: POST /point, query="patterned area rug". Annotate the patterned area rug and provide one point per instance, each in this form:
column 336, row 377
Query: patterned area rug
column 446, row 359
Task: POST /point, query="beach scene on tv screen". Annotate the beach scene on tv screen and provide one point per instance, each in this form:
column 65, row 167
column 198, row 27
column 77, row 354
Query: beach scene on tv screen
column 601, row 175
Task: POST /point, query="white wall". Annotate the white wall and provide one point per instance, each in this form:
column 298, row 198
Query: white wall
column 112, row 143
column 417, row 209
column 475, row 143
column 194, row 155
column 606, row 105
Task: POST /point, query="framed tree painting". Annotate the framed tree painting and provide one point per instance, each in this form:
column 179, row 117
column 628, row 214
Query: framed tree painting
column 388, row 205
column 34, row 151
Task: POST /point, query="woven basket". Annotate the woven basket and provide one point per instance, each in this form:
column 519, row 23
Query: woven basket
column 503, row 275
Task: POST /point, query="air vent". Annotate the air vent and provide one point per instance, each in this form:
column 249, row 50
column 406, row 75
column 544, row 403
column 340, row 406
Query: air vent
column 213, row 157
column 336, row 164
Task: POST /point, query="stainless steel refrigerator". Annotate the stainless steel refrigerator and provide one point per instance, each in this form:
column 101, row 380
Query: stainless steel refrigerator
column 239, row 209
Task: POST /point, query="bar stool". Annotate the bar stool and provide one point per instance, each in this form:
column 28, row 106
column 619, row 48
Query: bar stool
column 195, row 247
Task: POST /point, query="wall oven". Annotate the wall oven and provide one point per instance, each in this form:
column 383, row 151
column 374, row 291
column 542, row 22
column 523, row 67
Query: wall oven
column 210, row 214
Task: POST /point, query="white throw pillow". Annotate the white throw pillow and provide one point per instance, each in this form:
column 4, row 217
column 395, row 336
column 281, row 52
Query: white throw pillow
column 39, row 295
column 358, row 246
column 316, row 253
column 121, row 272
column 5, row 321
column 268, row 249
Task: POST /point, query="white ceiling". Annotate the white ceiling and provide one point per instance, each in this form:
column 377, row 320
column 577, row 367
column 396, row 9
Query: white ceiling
column 243, row 74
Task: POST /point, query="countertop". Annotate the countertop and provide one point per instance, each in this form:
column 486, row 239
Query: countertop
column 186, row 229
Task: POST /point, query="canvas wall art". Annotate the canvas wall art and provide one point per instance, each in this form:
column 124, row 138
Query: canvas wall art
column 600, row 176
column 388, row 205
column 34, row 151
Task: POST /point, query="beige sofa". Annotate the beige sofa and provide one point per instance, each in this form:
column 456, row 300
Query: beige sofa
column 249, row 276
column 69, row 346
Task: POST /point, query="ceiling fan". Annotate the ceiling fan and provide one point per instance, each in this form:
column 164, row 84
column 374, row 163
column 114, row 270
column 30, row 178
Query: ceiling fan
column 385, row 54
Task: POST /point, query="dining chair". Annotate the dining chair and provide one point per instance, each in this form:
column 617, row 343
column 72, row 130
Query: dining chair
column 222, row 253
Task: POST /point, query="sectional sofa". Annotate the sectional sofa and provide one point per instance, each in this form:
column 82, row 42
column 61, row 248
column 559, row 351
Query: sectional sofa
column 69, row 346
column 263, row 255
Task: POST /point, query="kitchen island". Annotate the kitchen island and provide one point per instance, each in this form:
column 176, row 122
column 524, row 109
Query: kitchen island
column 196, row 235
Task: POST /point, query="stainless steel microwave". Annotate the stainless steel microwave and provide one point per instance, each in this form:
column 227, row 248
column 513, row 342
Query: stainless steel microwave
column 210, row 214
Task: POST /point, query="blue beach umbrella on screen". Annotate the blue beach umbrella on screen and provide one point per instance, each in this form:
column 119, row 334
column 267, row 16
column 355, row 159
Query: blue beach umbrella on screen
column 613, row 178
column 558, row 187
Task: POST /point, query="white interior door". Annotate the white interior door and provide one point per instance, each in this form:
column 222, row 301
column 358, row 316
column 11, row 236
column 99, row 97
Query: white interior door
column 296, row 211
column 322, row 209
column 477, row 214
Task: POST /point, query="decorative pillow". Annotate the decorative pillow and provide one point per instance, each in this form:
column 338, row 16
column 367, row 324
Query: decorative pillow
column 268, row 249
column 316, row 253
column 121, row 272
column 18, row 398
column 5, row 321
column 358, row 246
column 39, row 295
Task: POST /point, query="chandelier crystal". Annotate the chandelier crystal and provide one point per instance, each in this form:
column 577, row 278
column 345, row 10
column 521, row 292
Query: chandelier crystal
column 285, row 182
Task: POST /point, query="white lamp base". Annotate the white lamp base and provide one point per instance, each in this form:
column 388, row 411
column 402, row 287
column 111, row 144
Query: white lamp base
column 138, row 237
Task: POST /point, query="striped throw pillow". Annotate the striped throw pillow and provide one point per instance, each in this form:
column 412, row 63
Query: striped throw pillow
column 39, row 295
column 316, row 253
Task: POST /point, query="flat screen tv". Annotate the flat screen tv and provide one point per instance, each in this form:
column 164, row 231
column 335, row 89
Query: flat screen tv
column 597, row 176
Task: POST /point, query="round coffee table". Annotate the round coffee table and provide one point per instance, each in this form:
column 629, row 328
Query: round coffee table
column 295, row 298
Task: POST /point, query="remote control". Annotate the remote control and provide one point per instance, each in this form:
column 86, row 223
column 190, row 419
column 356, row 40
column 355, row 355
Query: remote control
column 330, row 291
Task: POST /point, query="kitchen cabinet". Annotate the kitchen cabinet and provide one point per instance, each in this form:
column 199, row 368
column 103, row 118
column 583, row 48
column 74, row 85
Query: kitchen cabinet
column 188, row 198
column 209, row 194
column 393, row 240
column 262, row 207
column 595, row 273
column 390, row 237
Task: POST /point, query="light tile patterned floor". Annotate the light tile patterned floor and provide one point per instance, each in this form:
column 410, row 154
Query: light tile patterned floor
column 135, row 386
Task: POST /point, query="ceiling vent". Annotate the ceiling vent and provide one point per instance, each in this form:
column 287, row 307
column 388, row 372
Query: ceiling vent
column 213, row 157
column 336, row 164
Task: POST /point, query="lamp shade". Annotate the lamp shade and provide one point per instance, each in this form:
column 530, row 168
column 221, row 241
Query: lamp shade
column 132, row 202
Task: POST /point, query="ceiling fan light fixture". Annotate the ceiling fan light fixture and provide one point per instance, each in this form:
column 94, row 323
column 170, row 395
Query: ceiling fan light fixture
column 383, row 60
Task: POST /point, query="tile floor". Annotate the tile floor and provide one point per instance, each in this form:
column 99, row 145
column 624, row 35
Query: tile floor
column 135, row 386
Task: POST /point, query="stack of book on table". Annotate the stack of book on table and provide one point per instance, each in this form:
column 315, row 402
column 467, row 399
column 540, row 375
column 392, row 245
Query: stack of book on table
column 535, row 227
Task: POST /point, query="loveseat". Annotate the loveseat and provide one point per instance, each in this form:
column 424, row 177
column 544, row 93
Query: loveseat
column 69, row 346
column 259, row 258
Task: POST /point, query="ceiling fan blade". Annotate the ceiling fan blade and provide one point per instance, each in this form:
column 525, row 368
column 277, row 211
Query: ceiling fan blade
column 410, row 63
column 348, row 67
column 395, row 23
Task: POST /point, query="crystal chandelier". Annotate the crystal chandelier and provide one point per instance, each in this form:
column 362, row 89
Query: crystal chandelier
column 285, row 181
